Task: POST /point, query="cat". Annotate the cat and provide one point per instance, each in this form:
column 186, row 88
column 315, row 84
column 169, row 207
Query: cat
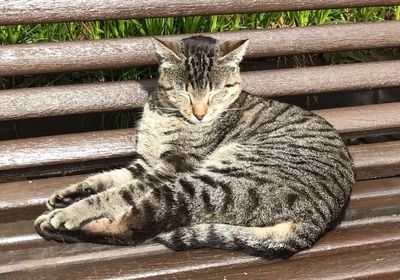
column 215, row 167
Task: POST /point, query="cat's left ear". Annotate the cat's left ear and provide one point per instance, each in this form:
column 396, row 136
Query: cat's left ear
column 167, row 51
column 232, row 52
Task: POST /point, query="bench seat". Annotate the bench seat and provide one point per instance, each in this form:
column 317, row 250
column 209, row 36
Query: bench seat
column 366, row 243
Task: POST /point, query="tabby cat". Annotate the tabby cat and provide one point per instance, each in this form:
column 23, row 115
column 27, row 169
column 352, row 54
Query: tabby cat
column 215, row 167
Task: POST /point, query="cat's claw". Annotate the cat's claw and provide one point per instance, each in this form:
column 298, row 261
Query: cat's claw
column 56, row 201
column 68, row 196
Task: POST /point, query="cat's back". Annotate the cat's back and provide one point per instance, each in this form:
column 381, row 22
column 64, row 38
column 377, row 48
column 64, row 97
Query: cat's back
column 288, row 138
column 284, row 127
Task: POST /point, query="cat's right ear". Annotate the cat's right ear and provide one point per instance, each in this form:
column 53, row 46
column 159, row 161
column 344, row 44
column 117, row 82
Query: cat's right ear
column 167, row 51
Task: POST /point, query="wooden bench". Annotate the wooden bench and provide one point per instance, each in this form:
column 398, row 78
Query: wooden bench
column 366, row 244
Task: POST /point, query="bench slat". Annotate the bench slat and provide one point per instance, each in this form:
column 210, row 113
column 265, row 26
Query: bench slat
column 363, row 262
column 43, row 11
column 73, row 99
column 113, row 96
column 66, row 148
column 309, row 80
column 380, row 239
column 100, row 54
column 372, row 160
column 363, row 120
column 376, row 160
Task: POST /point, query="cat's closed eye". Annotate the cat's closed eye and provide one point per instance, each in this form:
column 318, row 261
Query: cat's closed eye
column 231, row 85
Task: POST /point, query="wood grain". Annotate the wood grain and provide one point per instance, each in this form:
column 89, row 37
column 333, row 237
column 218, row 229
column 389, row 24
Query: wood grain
column 379, row 239
column 357, row 263
column 37, row 58
column 372, row 160
column 63, row 169
column 73, row 99
column 42, row 11
column 67, row 148
column 384, row 156
column 100, row 97
column 26, row 199
column 363, row 119
column 308, row 80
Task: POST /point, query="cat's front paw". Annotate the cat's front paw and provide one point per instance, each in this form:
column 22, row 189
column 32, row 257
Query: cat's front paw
column 59, row 219
column 54, row 225
column 66, row 197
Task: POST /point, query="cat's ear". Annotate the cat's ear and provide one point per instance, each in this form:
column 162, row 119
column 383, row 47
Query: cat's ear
column 167, row 51
column 232, row 52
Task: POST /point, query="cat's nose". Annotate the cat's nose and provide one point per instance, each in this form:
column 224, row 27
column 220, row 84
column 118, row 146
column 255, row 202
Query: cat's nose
column 199, row 116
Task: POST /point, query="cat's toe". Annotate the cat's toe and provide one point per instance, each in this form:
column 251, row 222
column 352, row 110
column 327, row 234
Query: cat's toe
column 58, row 201
column 46, row 230
column 62, row 220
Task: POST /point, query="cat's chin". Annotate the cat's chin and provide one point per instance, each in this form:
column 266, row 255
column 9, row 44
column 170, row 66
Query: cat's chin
column 202, row 122
column 207, row 123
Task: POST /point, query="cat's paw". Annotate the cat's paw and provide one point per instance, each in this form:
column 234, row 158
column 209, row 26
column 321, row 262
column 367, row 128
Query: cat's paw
column 46, row 230
column 60, row 219
column 70, row 195
column 54, row 226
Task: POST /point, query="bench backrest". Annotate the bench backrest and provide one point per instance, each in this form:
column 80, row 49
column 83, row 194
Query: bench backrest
column 93, row 150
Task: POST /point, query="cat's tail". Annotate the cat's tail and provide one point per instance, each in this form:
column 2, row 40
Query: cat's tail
column 279, row 241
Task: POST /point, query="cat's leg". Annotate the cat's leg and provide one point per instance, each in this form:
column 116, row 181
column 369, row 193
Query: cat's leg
column 132, row 213
column 99, row 182
column 169, row 164
column 92, row 185
column 281, row 240
column 96, row 218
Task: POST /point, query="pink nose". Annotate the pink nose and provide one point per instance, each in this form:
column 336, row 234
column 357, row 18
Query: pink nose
column 199, row 117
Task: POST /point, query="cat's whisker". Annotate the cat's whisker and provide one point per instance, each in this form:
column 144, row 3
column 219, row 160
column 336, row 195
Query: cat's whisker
column 232, row 109
column 169, row 109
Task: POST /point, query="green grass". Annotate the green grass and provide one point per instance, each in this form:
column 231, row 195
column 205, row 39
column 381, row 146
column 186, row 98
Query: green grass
column 163, row 26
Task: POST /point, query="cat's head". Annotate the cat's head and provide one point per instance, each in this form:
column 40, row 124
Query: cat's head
column 199, row 76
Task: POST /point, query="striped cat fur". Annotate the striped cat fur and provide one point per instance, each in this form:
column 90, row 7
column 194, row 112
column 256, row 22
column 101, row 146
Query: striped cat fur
column 215, row 167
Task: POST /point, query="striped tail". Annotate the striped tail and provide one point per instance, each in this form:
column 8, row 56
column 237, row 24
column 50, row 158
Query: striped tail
column 279, row 241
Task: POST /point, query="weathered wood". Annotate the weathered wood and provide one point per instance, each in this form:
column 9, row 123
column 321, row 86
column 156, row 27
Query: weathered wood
column 42, row 11
column 26, row 199
column 68, row 148
column 385, row 157
column 100, row 97
column 73, row 99
column 346, row 77
column 359, row 120
column 371, row 161
column 27, row 193
column 63, row 169
column 100, row 54
column 356, row 263
column 341, row 245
